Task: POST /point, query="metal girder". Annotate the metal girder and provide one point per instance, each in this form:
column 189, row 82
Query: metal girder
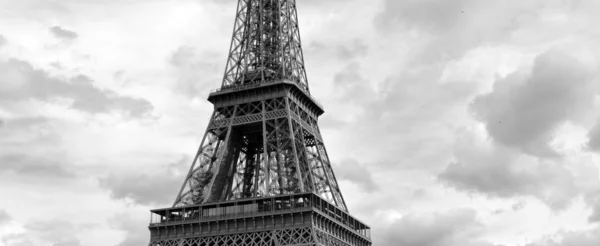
column 265, row 45
column 258, row 145
column 258, row 149
column 296, row 237
column 261, row 175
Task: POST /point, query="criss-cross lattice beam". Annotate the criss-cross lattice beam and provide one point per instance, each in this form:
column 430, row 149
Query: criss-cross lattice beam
column 265, row 45
column 292, row 237
column 260, row 148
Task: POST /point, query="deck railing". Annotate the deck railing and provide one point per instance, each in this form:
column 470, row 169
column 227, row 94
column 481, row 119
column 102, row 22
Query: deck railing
column 285, row 204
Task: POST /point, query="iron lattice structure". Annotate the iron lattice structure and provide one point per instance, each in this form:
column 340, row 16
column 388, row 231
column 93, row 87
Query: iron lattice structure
column 265, row 44
column 303, row 219
column 262, row 154
column 262, row 147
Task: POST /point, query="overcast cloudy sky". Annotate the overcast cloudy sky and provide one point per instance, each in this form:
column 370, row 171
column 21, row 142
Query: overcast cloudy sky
column 449, row 122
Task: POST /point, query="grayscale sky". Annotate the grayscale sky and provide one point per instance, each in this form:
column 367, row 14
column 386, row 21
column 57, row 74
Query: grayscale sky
column 449, row 123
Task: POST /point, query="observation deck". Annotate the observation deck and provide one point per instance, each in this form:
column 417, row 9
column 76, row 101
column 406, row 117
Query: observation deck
column 258, row 214
column 260, row 90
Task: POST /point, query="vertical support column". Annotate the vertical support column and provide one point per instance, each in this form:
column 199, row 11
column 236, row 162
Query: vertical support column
column 293, row 139
column 267, row 172
column 232, row 66
column 226, row 146
column 304, row 154
column 325, row 172
column 250, row 168
column 277, row 157
column 289, row 55
column 257, row 167
column 189, row 175
column 338, row 196
column 282, row 42
column 261, row 19
column 299, row 55
column 233, row 166
column 245, row 56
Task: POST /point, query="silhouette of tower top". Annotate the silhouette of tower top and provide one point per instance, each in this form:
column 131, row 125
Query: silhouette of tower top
column 261, row 175
column 265, row 45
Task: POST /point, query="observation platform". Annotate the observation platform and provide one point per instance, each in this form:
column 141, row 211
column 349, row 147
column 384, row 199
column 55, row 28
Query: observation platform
column 303, row 210
column 261, row 90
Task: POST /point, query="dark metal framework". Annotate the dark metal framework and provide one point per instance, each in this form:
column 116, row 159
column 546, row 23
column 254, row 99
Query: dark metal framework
column 299, row 219
column 265, row 44
column 262, row 175
column 263, row 141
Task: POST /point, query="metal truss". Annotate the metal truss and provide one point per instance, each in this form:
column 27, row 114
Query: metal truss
column 266, row 145
column 259, row 149
column 295, row 237
column 262, row 175
column 265, row 45
column 324, row 238
column 330, row 233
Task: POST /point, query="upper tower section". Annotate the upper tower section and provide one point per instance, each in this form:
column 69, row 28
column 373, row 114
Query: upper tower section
column 265, row 46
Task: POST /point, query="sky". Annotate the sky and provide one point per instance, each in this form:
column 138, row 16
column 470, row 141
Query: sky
column 465, row 122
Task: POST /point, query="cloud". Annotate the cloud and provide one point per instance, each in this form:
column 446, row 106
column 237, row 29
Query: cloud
column 352, row 87
column 23, row 124
column 435, row 15
column 136, row 234
column 25, row 141
column 410, row 115
column 484, row 167
column 329, row 122
column 70, row 242
column 38, row 167
column 440, row 30
column 3, row 41
column 53, row 232
column 525, row 108
column 572, row 238
column 504, row 173
column 359, row 174
column 454, row 227
column 352, row 50
column 26, row 122
column 20, row 81
column 154, row 189
column 151, row 188
column 16, row 239
column 4, row 217
column 594, row 138
column 592, row 198
column 197, row 71
column 62, row 33
column 356, row 49
column 59, row 232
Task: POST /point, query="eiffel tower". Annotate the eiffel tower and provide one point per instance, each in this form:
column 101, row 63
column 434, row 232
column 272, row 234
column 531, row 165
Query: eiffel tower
column 261, row 175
